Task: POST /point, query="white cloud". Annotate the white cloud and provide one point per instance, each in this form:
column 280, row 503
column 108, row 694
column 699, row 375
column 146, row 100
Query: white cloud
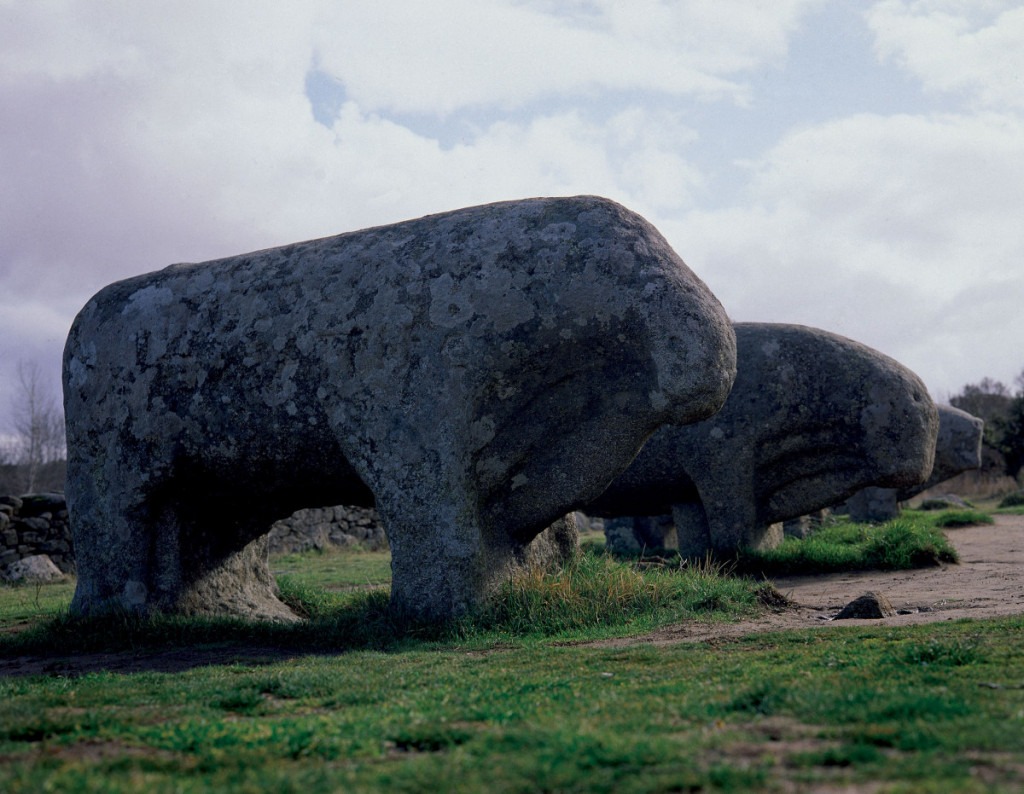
column 439, row 57
column 891, row 230
column 31, row 331
column 932, row 201
column 971, row 47
column 136, row 135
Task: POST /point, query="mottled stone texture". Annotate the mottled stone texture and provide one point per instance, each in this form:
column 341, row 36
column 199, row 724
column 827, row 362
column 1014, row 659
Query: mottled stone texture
column 870, row 606
column 476, row 374
column 812, row 418
column 35, row 568
column 957, row 449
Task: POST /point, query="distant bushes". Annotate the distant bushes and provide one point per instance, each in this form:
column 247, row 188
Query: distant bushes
column 1015, row 499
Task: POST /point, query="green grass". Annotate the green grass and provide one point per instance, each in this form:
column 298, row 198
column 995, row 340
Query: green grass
column 597, row 591
column 28, row 603
column 932, row 708
column 509, row 700
column 1013, row 500
column 336, row 569
column 594, row 595
column 911, row 541
column 951, row 519
column 938, row 504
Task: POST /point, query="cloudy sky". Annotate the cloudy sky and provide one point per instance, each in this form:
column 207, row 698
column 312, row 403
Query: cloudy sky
column 856, row 166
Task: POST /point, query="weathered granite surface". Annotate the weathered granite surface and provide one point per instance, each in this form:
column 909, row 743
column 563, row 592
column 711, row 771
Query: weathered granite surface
column 639, row 533
column 476, row 374
column 812, row 418
column 957, row 449
column 870, row 606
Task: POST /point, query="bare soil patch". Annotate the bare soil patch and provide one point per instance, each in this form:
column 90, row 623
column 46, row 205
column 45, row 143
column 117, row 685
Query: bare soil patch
column 988, row 582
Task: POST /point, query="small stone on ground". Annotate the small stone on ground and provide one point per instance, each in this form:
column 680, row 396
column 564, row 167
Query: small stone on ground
column 870, row 606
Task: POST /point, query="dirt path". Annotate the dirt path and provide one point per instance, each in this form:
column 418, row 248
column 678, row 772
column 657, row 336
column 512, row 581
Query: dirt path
column 988, row 582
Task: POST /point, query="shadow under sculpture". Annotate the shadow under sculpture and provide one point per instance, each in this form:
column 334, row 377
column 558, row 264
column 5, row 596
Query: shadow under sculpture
column 957, row 449
column 476, row 375
column 812, row 418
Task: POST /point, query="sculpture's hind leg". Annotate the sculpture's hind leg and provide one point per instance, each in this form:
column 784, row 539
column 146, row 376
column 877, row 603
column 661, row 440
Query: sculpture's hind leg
column 148, row 539
column 114, row 525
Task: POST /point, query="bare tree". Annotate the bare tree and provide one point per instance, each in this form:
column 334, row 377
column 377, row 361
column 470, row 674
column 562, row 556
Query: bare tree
column 8, row 450
column 38, row 424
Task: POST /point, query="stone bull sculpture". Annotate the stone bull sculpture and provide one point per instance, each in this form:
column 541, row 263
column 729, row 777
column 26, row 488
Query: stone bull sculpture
column 812, row 416
column 476, row 374
column 957, row 449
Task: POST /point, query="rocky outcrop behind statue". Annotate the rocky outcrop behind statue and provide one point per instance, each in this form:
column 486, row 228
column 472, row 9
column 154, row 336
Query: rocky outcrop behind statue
column 475, row 374
column 812, row 418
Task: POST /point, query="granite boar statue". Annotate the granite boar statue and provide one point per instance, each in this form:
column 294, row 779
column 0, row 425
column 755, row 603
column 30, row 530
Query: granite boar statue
column 957, row 449
column 812, row 418
column 476, row 375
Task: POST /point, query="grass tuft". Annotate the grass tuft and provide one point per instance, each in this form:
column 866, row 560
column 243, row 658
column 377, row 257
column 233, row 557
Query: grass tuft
column 898, row 544
column 951, row 519
column 939, row 504
column 593, row 592
column 1015, row 499
column 941, row 651
column 597, row 589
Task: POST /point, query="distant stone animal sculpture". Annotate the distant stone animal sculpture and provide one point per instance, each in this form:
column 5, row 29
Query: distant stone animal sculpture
column 812, row 416
column 957, row 449
column 475, row 374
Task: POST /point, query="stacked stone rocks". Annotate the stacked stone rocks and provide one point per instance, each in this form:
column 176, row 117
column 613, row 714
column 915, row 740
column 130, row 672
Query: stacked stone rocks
column 38, row 524
column 325, row 527
column 32, row 525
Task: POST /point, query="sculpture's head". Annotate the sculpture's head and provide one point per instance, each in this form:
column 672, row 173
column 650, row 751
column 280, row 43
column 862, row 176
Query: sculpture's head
column 958, row 447
column 833, row 416
column 616, row 337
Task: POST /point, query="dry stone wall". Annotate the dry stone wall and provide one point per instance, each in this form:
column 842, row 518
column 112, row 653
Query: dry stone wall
column 327, row 527
column 37, row 524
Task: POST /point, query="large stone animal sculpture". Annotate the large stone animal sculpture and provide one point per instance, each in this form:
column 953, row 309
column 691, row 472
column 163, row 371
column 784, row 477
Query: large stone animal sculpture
column 957, row 449
column 475, row 375
column 812, row 418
